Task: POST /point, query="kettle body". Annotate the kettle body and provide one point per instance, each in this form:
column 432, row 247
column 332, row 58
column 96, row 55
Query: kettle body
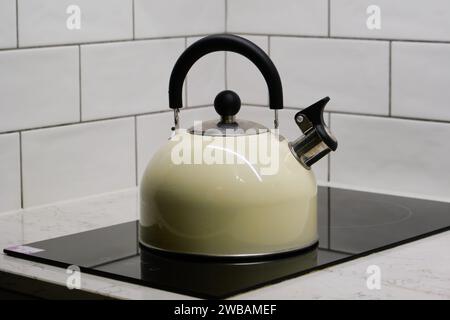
column 230, row 187
column 227, row 209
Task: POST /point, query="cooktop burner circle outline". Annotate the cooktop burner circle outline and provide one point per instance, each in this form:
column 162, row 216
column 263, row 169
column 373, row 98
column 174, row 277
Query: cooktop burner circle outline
column 407, row 213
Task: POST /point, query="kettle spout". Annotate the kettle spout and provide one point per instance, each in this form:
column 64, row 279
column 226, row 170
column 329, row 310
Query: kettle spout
column 317, row 140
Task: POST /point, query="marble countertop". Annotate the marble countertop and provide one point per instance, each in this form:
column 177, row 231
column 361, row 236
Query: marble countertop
column 417, row 270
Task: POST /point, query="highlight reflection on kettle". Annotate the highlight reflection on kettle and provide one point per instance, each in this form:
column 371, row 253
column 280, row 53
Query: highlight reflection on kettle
column 232, row 208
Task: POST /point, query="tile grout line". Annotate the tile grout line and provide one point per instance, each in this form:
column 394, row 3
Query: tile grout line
column 21, row 169
column 359, row 114
column 241, row 33
column 79, row 83
column 329, row 155
column 226, row 53
column 125, row 40
column 226, row 16
column 301, row 36
column 390, row 79
column 447, row 122
column 329, row 216
column 225, row 71
column 22, row 229
column 133, row 20
column 136, row 152
column 329, row 18
column 17, row 24
column 100, row 120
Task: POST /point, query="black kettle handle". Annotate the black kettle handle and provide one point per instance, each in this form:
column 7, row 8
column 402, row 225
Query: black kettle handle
column 225, row 42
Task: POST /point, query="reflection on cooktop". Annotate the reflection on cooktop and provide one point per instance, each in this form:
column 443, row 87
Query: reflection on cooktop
column 351, row 224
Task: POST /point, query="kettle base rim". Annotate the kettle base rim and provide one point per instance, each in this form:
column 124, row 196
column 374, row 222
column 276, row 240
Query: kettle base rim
column 235, row 257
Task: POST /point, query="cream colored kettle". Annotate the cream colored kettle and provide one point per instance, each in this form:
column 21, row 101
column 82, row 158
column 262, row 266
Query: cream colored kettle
column 230, row 187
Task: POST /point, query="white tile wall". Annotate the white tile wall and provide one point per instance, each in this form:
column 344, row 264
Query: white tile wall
column 287, row 17
column 392, row 154
column 161, row 18
column 41, row 87
column 206, row 78
column 77, row 160
column 38, row 87
column 9, row 172
column 400, row 19
column 420, row 80
column 288, row 129
column 244, row 77
column 127, row 77
column 43, row 22
column 154, row 130
column 8, row 33
column 355, row 74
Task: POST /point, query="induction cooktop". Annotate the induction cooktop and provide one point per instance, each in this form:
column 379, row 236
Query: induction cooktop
column 351, row 224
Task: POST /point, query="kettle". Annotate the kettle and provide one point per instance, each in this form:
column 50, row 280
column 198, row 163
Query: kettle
column 229, row 187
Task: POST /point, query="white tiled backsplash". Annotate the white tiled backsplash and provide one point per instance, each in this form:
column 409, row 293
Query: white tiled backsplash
column 400, row 19
column 287, row 17
column 159, row 18
column 39, row 87
column 8, row 30
column 83, row 110
column 124, row 78
column 77, row 160
column 43, row 22
column 354, row 73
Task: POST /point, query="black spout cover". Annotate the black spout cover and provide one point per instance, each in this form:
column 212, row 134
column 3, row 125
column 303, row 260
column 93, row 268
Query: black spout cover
column 314, row 113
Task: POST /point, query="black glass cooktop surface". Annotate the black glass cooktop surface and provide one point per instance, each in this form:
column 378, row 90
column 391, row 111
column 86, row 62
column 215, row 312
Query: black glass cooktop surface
column 351, row 224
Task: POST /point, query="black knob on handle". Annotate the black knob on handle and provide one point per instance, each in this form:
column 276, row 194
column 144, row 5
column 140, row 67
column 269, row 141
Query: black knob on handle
column 227, row 103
